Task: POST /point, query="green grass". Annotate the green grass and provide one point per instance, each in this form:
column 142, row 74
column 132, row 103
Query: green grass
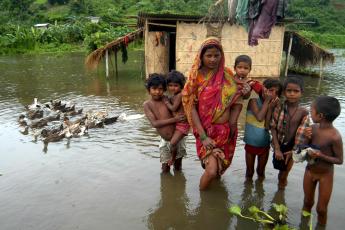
column 58, row 13
column 41, row 2
column 58, row 48
column 325, row 39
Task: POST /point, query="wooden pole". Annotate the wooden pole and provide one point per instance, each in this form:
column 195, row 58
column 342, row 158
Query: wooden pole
column 288, row 56
column 321, row 66
column 106, row 63
column 116, row 73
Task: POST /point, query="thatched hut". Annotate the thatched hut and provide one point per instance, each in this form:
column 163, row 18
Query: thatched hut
column 172, row 41
column 305, row 52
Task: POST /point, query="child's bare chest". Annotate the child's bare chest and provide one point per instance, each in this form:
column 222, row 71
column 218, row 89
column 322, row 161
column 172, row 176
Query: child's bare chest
column 323, row 140
column 160, row 110
column 292, row 120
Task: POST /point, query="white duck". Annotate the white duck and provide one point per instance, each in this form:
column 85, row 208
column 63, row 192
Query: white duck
column 35, row 105
column 125, row 117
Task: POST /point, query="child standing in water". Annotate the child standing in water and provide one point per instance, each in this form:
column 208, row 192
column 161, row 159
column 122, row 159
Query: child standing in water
column 324, row 110
column 285, row 121
column 243, row 66
column 256, row 136
column 161, row 118
column 175, row 82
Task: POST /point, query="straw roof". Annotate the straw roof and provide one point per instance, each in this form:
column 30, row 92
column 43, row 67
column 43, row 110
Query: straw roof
column 93, row 59
column 304, row 51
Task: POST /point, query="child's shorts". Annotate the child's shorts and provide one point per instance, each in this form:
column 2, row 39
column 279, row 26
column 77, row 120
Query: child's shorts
column 257, row 150
column 165, row 153
column 280, row 164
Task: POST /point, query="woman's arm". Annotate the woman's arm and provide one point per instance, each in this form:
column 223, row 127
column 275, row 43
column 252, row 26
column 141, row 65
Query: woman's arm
column 235, row 112
column 206, row 141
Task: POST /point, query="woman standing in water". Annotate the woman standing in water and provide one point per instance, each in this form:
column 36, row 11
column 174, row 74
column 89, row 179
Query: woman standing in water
column 207, row 99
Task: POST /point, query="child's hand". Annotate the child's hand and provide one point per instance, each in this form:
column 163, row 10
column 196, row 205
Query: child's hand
column 268, row 97
column 166, row 100
column 314, row 153
column 288, row 156
column 308, row 132
column 180, row 117
column 245, row 88
column 274, row 102
column 279, row 155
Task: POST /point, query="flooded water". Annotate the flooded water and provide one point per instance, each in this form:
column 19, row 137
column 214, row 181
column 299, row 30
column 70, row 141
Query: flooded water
column 111, row 178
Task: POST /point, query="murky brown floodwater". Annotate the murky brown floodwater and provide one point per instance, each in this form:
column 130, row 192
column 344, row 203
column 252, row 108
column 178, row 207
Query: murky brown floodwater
column 111, row 178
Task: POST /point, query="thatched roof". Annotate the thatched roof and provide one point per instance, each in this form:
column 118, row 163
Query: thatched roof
column 95, row 57
column 304, row 51
column 173, row 18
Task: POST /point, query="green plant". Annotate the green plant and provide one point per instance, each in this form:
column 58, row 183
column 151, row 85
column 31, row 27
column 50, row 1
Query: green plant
column 264, row 218
column 308, row 214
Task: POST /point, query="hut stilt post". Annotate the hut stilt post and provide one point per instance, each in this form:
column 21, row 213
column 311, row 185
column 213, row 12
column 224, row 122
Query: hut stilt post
column 321, row 67
column 106, row 63
column 116, row 72
column 320, row 75
column 288, row 55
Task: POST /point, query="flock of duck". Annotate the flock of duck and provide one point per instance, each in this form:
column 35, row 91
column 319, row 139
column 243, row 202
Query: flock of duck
column 55, row 120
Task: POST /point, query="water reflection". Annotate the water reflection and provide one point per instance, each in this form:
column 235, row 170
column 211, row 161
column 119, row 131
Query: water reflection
column 278, row 198
column 171, row 212
column 212, row 211
column 253, row 194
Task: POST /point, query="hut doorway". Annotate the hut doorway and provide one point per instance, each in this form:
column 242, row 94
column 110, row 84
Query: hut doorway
column 160, row 46
column 172, row 51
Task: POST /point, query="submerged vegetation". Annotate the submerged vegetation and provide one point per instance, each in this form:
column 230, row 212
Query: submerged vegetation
column 262, row 217
column 71, row 29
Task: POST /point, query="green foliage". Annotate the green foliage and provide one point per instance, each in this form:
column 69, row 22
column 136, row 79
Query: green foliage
column 308, row 214
column 327, row 18
column 58, row 2
column 326, row 39
column 263, row 217
column 73, row 27
column 99, row 39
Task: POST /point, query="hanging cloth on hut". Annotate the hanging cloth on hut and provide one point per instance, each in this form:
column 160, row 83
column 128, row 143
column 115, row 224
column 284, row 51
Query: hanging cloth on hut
column 124, row 53
column 282, row 7
column 260, row 27
column 254, row 8
column 242, row 13
column 232, row 4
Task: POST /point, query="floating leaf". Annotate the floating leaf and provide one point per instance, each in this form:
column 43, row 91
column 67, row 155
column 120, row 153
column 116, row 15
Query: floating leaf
column 281, row 227
column 280, row 208
column 306, row 213
column 254, row 209
column 236, row 210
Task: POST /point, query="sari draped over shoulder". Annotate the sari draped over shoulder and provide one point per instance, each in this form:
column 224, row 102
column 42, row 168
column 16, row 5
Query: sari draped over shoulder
column 211, row 95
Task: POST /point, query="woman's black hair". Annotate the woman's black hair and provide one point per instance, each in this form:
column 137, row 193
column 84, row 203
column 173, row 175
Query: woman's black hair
column 328, row 106
column 176, row 77
column 156, row 80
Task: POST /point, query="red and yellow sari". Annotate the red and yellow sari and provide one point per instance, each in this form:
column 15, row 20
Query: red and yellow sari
column 211, row 95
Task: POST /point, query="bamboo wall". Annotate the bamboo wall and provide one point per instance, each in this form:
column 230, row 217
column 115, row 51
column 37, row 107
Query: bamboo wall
column 156, row 54
column 266, row 56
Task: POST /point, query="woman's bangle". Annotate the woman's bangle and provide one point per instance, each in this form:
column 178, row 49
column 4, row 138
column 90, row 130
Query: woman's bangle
column 203, row 136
